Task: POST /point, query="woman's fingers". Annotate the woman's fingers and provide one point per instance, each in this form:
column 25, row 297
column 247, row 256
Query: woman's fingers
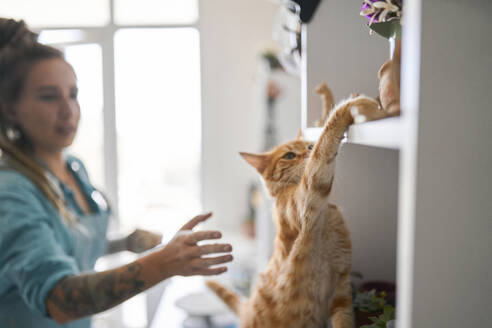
column 213, row 271
column 208, row 261
column 214, row 248
column 142, row 240
column 195, row 237
column 189, row 254
column 150, row 237
column 157, row 236
column 204, row 265
column 156, row 239
column 198, row 251
column 197, row 219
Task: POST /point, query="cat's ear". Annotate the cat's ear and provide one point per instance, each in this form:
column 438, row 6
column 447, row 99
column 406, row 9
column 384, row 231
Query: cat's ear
column 299, row 134
column 258, row 161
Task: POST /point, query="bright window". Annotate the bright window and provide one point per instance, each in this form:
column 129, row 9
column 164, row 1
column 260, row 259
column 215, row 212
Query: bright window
column 86, row 60
column 158, row 126
column 155, row 110
column 152, row 12
column 57, row 13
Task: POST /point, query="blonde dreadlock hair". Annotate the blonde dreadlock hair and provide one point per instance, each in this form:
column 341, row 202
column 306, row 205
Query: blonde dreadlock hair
column 19, row 51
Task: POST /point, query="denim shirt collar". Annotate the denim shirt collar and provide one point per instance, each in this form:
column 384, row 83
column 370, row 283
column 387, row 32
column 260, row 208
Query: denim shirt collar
column 97, row 201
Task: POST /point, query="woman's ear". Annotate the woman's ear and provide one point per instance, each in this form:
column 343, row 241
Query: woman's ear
column 8, row 112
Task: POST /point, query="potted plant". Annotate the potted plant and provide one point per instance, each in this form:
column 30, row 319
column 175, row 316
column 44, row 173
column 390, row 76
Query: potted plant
column 383, row 17
column 373, row 304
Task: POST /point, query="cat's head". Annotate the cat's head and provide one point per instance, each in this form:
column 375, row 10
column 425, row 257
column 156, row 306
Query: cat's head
column 283, row 166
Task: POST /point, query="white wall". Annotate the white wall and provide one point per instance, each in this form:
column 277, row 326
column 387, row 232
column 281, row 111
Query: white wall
column 366, row 190
column 340, row 50
column 453, row 210
column 232, row 33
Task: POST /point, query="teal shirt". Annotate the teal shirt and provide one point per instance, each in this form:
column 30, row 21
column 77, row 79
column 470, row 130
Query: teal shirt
column 37, row 248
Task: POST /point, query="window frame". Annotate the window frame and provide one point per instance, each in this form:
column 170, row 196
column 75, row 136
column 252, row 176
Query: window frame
column 104, row 37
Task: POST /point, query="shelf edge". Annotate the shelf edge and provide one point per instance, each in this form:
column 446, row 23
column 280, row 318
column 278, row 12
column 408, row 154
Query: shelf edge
column 385, row 133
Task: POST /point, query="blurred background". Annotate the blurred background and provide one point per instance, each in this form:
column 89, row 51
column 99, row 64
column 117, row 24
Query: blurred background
column 171, row 91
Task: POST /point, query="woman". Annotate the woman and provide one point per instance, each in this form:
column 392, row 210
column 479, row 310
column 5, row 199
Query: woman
column 53, row 221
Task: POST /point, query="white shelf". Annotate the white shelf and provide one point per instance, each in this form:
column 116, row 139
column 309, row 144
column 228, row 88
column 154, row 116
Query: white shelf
column 385, row 133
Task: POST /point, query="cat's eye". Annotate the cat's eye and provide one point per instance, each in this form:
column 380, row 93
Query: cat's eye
column 310, row 147
column 289, row 155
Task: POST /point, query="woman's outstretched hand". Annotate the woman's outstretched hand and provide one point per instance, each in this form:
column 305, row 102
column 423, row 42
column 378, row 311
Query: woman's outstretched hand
column 182, row 255
column 84, row 294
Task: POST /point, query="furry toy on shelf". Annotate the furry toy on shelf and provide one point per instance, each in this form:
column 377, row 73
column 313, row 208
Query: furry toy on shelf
column 389, row 89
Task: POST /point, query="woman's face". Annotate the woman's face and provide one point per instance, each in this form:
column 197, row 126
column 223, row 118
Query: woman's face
column 48, row 111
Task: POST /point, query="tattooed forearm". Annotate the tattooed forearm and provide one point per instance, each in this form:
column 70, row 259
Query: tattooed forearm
column 79, row 296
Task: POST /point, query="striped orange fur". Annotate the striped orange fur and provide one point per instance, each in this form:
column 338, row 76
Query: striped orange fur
column 307, row 279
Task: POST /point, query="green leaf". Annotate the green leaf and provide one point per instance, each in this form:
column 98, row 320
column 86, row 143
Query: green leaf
column 389, row 310
column 388, row 313
column 368, row 301
column 389, row 30
column 374, row 319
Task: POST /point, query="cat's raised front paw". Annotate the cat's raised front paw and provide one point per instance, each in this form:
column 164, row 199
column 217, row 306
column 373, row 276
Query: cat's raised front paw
column 363, row 109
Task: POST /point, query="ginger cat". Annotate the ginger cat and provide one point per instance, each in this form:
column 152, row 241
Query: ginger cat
column 307, row 279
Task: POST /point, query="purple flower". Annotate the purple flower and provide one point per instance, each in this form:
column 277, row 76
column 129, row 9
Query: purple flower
column 377, row 11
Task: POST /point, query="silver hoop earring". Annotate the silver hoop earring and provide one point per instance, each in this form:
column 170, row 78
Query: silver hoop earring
column 13, row 134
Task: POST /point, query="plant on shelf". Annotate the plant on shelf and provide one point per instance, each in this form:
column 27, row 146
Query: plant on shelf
column 369, row 306
column 383, row 17
column 385, row 320
column 369, row 301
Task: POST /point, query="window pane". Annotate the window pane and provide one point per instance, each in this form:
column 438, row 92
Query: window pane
column 152, row 12
column 158, row 125
column 61, row 36
column 87, row 61
column 57, row 13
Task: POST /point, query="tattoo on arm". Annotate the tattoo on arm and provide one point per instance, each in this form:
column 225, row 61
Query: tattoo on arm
column 83, row 295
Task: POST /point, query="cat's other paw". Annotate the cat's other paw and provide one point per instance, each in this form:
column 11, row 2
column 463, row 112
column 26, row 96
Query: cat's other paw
column 364, row 109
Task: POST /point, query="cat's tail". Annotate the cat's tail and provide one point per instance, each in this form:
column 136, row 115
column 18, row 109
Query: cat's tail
column 230, row 298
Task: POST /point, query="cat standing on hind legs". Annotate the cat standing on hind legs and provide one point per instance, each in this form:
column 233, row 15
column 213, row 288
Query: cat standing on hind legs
column 307, row 279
